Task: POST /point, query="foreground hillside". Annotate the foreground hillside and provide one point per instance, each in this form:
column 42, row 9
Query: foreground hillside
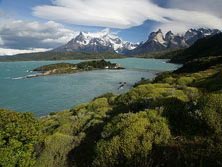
column 174, row 120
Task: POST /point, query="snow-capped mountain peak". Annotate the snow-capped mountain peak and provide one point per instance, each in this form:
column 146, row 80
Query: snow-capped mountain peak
column 157, row 41
column 103, row 41
column 157, row 36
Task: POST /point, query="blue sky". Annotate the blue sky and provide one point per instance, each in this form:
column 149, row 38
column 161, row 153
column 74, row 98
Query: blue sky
column 22, row 9
column 39, row 24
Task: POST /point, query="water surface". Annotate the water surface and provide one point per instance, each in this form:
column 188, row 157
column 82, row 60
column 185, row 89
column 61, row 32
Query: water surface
column 55, row 93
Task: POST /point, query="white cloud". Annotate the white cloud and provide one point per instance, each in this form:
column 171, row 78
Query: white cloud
column 127, row 13
column 20, row 34
column 182, row 20
column 10, row 52
column 114, row 14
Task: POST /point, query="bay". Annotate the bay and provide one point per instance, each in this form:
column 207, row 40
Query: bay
column 59, row 92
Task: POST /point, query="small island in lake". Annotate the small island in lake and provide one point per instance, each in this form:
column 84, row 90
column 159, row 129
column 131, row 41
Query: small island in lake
column 68, row 68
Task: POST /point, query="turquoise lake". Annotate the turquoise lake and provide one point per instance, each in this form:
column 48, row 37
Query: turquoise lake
column 59, row 92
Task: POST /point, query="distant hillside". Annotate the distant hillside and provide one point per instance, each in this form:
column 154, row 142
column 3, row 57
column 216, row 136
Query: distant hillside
column 59, row 56
column 203, row 54
column 166, row 54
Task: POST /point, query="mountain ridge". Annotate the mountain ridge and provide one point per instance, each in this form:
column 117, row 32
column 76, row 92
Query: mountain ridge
column 103, row 41
column 157, row 41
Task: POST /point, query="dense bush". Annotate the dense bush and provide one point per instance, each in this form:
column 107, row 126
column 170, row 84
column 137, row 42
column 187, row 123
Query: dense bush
column 19, row 134
column 211, row 106
column 129, row 138
column 65, row 131
column 184, row 117
column 144, row 96
column 57, row 148
column 211, row 83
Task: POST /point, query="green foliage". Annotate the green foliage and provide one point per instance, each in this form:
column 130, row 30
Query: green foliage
column 19, row 134
column 211, row 83
column 208, row 80
column 185, row 80
column 146, row 96
column 184, row 117
column 56, row 149
column 109, row 96
column 129, row 138
column 65, row 131
column 211, row 106
column 101, row 64
column 96, row 110
column 63, row 68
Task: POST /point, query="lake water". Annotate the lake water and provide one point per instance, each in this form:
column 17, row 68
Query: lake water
column 55, row 93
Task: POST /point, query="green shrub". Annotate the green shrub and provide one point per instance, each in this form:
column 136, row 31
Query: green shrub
column 184, row 117
column 185, row 80
column 212, row 112
column 141, row 97
column 19, row 133
column 129, row 138
column 57, row 148
column 169, row 80
column 211, row 83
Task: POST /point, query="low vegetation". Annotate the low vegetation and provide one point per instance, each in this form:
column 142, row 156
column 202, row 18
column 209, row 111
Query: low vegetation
column 20, row 136
column 64, row 68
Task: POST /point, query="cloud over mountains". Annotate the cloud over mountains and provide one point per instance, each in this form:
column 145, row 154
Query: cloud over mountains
column 127, row 13
column 175, row 15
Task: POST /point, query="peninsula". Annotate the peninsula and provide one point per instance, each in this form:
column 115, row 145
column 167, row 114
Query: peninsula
column 68, row 68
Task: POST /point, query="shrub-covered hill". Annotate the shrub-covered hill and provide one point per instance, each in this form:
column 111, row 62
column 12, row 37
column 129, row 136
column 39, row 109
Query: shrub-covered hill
column 174, row 120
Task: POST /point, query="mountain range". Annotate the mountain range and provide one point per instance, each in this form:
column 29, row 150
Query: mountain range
column 105, row 41
column 158, row 42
